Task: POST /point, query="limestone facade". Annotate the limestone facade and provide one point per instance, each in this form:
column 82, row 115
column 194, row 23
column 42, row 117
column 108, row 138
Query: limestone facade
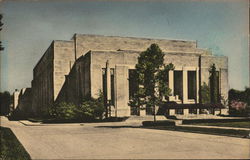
column 69, row 70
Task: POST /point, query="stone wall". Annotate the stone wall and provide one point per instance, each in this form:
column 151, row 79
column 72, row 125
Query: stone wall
column 221, row 64
column 77, row 83
column 84, row 43
column 63, row 61
column 49, row 74
column 42, row 83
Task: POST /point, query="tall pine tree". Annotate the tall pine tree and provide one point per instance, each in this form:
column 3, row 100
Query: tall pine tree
column 152, row 78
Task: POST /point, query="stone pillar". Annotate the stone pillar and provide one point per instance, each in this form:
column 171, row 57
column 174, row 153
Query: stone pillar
column 96, row 80
column 171, row 81
column 185, row 86
column 185, row 111
column 121, row 91
column 197, row 85
column 171, row 112
column 108, row 81
column 142, row 112
column 16, row 99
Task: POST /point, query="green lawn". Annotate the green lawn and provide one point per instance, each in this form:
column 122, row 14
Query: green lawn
column 227, row 124
column 11, row 148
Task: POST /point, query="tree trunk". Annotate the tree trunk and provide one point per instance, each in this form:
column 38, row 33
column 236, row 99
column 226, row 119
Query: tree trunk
column 154, row 114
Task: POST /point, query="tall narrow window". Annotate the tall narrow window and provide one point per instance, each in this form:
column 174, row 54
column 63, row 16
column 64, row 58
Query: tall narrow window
column 112, row 79
column 191, row 84
column 214, row 87
column 104, row 85
column 178, row 84
column 133, row 83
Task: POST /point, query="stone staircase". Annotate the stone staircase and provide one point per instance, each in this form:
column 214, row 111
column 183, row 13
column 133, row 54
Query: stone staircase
column 198, row 116
column 144, row 118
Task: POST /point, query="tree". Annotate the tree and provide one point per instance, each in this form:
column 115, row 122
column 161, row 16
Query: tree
column 5, row 100
column 214, row 85
column 90, row 109
column 152, row 78
column 205, row 93
column 1, row 24
column 239, row 102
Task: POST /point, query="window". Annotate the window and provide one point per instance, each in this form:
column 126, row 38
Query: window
column 133, row 83
column 111, row 90
column 178, row 84
column 112, row 79
column 104, row 85
column 191, row 84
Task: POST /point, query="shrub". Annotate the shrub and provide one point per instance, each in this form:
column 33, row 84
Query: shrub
column 205, row 93
column 158, row 123
column 63, row 111
column 239, row 102
column 92, row 108
column 89, row 110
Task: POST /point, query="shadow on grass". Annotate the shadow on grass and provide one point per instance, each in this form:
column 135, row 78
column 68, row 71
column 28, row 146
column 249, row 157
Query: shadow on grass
column 211, row 131
column 243, row 124
column 58, row 121
column 11, row 148
column 236, row 119
column 112, row 119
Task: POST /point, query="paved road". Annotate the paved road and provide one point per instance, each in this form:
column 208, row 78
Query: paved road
column 102, row 141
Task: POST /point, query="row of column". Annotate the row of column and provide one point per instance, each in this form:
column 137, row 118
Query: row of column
column 184, row 84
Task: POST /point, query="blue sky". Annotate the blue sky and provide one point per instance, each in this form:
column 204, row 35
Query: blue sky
column 30, row 26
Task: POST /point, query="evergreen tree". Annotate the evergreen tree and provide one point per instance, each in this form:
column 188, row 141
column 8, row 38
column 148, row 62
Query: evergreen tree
column 1, row 24
column 152, row 78
column 214, row 85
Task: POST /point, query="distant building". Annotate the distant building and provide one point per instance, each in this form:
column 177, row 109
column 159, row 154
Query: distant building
column 87, row 64
column 22, row 101
column 15, row 99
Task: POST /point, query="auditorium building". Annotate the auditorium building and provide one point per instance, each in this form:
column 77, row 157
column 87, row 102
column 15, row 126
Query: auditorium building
column 88, row 64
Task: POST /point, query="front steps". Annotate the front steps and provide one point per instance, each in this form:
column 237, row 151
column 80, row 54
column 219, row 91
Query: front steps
column 145, row 118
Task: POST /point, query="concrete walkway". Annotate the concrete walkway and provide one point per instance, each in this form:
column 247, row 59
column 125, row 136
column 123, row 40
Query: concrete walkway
column 119, row 141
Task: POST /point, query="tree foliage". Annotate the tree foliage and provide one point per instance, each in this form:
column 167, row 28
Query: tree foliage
column 64, row 111
column 214, row 85
column 1, row 24
column 239, row 102
column 90, row 109
column 152, row 78
column 205, row 93
column 5, row 101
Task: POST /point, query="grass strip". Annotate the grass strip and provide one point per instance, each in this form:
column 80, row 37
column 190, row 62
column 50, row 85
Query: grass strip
column 11, row 148
column 227, row 124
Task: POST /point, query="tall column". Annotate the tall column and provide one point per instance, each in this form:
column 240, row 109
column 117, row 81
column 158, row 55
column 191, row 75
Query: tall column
column 121, row 91
column 184, row 85
column 108, row 81
column 171, row 81
column 197, row 85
